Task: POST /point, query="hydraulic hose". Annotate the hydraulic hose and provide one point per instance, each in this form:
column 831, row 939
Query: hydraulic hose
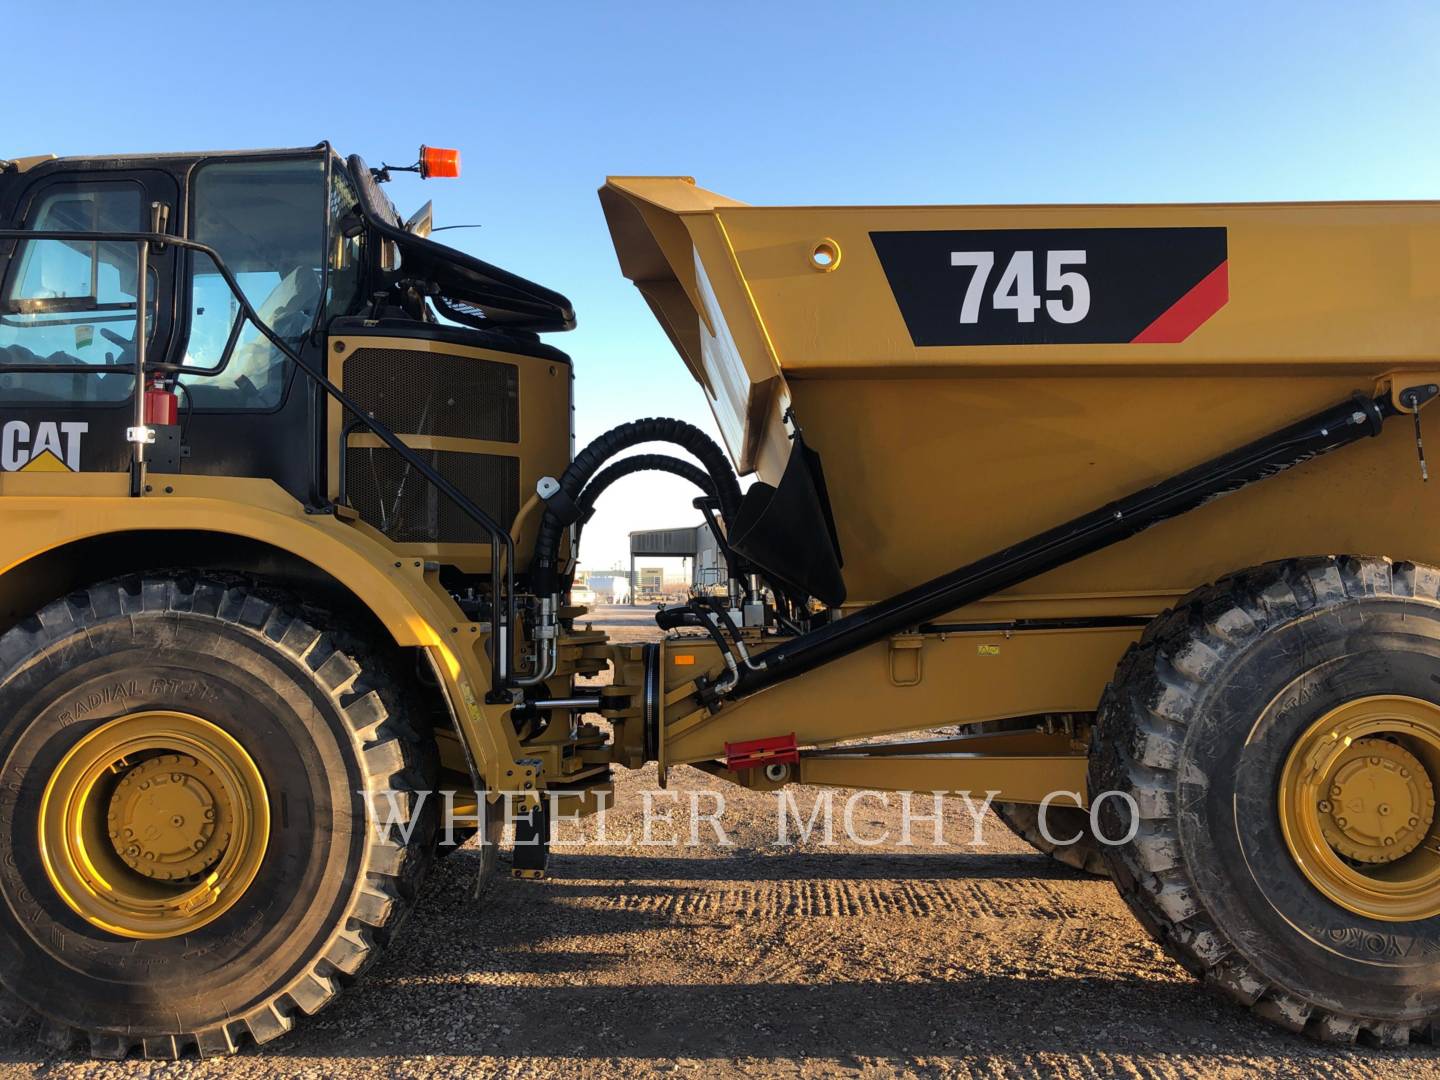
column 639, row 463
column 585, row 505
column 564, row 508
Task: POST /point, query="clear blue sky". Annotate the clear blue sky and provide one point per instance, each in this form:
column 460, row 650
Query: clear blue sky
column 776, row 102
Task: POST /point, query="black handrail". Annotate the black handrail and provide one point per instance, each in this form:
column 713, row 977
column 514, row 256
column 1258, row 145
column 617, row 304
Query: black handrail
column 501, row 621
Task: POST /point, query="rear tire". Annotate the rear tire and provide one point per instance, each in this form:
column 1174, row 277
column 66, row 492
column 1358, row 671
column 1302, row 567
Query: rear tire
column 1085, row 854
column 1063, row 822
column 1202, row 728
column 327, row 729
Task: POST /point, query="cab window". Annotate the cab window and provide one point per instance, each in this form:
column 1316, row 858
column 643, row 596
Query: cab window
column 266, row 219
column 67, row 302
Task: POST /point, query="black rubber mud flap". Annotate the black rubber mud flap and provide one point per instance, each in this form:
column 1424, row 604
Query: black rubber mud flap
column 789, row 531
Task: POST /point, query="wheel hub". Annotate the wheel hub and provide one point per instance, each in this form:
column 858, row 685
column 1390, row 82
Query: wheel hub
column 1381, row 802
column 154, row 824
column 1357, row 807
column 163, row 815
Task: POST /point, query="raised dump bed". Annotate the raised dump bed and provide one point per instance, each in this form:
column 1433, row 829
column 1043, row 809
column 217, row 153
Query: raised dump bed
column 972, row 375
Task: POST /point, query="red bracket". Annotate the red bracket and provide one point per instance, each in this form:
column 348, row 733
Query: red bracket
column 777, row 750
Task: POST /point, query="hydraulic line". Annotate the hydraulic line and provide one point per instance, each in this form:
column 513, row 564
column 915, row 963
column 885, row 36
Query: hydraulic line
column 563, row 508
column 690, row 615
column 547, row 653
column 638, row 463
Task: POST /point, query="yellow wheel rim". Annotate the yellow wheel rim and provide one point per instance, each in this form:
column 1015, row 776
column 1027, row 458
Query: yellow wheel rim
column 154, row 825
column 1357, row 807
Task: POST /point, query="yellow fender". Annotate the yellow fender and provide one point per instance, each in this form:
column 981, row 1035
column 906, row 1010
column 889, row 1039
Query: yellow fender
column 47, row 510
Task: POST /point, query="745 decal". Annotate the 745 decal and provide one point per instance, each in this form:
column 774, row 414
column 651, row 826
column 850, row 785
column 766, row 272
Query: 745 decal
column 1055, row 286
column 1016, row 290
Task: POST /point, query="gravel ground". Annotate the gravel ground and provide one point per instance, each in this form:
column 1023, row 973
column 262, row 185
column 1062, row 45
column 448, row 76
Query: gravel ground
column 811, row 960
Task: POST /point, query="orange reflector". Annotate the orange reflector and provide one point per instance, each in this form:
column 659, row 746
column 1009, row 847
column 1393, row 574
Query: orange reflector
column 683, row 659
column 436, row 162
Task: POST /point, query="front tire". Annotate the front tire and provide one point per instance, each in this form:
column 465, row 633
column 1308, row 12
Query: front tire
column 1260, row 731
column 155, row 731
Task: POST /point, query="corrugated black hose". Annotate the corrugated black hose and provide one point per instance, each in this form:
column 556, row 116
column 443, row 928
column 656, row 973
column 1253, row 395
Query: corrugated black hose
column 629, row 466
column 639, row 463
column 565, row 507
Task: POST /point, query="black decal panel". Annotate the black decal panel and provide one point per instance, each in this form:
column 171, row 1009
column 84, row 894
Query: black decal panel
column 1055, row 286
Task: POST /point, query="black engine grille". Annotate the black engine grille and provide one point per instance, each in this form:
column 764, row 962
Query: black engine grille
column 390, row 495
column 424, row 393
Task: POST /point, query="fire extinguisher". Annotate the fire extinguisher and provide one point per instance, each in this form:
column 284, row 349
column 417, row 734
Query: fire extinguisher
column 161, row 404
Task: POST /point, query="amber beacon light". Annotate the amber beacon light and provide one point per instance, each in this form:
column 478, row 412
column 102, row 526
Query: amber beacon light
column 439, row 162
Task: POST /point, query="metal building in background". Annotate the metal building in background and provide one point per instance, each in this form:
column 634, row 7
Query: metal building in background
column 694, row 542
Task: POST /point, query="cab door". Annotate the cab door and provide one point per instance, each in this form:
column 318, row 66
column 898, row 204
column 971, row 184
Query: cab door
column 71, row 305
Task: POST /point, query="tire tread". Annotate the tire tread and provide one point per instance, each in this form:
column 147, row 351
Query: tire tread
column 393, row 752
column 1137, row 747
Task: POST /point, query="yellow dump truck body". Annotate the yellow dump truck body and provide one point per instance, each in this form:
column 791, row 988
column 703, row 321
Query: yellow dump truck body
column 946, row 438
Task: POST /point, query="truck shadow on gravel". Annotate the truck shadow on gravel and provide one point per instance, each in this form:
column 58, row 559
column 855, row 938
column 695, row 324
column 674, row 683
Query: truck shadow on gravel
column 763, row 957
column 748, row 957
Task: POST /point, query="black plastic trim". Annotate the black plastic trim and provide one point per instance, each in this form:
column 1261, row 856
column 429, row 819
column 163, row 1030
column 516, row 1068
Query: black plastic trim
column 495, row 340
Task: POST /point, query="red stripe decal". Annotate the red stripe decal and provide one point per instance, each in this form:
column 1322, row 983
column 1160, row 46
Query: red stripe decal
column 1184, row 316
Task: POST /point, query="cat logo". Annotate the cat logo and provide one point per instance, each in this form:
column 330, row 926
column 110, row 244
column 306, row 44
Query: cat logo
column 50, row 446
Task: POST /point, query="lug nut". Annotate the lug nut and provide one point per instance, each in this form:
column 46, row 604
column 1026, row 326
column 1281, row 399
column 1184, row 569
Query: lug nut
column 1323, row 806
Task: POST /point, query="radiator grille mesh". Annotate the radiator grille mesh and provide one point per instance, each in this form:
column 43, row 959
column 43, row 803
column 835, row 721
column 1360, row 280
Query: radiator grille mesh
column 388, row 494
column 424, row 393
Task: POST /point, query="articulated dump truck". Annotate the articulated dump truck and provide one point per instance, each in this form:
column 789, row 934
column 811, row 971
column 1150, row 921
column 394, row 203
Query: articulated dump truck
column 1120, row 512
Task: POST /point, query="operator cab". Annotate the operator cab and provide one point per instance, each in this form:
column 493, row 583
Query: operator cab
column 437, row 344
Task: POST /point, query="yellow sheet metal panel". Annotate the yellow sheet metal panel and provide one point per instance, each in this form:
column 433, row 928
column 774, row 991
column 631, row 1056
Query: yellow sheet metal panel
column 45, row 511
column 1341, row 286
column 1029, row 780
column 966, row 677
column 1205, row 326
column 1309, row 283
column 928, row 474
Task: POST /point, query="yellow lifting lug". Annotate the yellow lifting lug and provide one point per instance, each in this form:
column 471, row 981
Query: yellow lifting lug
column 907, row 666
column 1411, row 391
